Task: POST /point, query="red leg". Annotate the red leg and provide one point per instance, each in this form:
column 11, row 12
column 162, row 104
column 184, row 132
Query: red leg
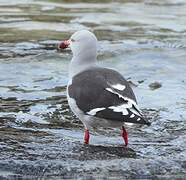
column 125, row 135
column 86, row 137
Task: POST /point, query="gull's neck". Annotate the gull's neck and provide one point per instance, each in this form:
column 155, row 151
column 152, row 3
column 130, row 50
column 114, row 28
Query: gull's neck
column 81, row 62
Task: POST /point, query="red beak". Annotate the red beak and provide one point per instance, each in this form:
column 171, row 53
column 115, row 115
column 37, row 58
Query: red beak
column 64, row 44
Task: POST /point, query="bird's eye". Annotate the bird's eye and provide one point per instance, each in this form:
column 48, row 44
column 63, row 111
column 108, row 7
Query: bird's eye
column 72, row 40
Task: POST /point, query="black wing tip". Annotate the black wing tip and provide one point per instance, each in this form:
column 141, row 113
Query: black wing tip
column 146, row 122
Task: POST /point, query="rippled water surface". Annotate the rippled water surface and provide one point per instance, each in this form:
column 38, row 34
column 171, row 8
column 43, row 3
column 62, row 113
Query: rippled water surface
column 40, row 138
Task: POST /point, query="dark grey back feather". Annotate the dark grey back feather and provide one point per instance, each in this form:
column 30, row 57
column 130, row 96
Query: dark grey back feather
column 88, row 88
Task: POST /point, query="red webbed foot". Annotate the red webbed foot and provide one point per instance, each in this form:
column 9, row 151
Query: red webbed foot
column 125, row 135
column 86, row 137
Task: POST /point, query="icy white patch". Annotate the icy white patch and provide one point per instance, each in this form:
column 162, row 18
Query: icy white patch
column 119, row 87
column 94, row 111
column 130, row 102
column 132, row 115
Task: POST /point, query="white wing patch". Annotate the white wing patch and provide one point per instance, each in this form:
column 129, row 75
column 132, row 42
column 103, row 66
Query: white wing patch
column 128, row 105
column 135, row 112
column 120, row 96
column 122, row 108
column 94, row 111
column 119, row 87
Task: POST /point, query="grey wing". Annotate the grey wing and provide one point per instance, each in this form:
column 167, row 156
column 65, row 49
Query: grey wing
column 104, row 93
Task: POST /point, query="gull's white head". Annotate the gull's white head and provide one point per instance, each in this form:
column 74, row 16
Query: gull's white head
column 84, row 48
column 82, row 43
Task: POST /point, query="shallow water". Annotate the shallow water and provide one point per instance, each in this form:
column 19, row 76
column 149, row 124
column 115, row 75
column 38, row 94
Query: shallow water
column 40, row 138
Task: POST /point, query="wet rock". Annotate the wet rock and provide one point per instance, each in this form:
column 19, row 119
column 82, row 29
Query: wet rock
column 141, row 81
column 155, row 85
column 49, row 44
column 55, row 89
column 27, row 46
column 132, row 84
column 98, row 152
column 13, row 105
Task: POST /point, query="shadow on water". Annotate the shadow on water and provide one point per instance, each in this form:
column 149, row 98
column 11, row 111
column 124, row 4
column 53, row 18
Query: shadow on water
column 102, row 152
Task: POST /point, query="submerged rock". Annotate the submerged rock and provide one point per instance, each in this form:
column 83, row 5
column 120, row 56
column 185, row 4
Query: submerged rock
column 155, row 85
